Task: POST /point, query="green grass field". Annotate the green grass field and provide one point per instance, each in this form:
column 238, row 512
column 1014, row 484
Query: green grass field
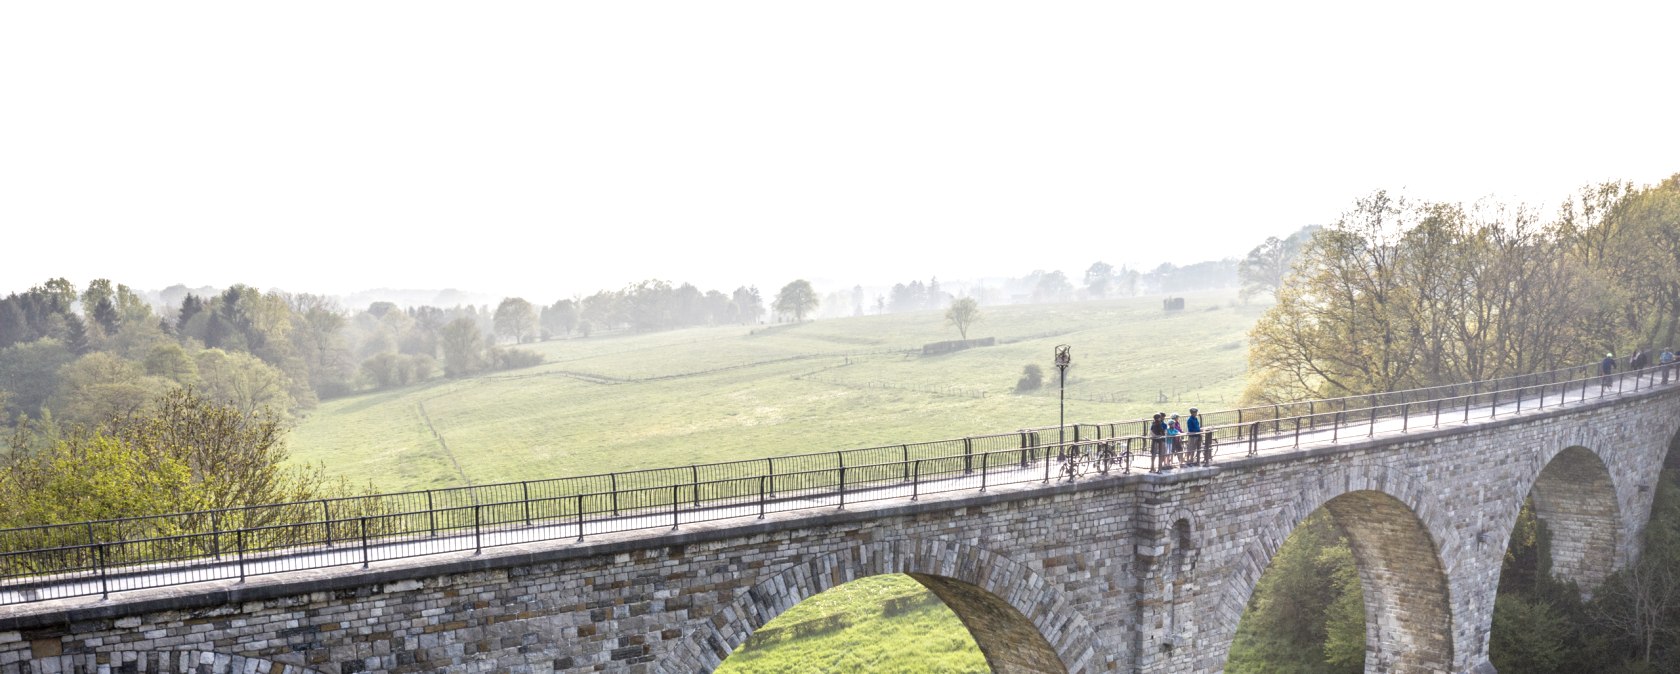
column 713, row 394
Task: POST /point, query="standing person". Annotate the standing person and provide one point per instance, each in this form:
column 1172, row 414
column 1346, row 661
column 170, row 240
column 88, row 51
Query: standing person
column 1158, row 440
column 1175, row 437
column 1640, row 360
column 1605, row 367
column 1193, row 426
column 1667, row 361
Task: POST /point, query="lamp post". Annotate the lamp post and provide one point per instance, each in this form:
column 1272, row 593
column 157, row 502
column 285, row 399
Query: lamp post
column 1063, row 360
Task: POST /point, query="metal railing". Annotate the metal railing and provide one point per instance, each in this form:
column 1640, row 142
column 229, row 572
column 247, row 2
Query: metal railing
column 100, row 557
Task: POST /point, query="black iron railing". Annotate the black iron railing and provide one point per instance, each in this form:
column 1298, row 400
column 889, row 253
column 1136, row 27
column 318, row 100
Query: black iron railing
column 86, row 558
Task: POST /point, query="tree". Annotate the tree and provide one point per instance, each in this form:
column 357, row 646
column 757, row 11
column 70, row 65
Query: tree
column 99, row 387
column 463, row 348
column 963, row 313
column 29, row 373
column 796, row 298
column 185, row 453
column 1098, row 278
column 560, row 319
column 749, row 304
column 243, row 382
column 1052, row 287
column 516, row 320
column 1264, row 269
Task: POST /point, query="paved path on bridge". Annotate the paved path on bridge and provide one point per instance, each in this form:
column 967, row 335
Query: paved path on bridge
column 1013, row 477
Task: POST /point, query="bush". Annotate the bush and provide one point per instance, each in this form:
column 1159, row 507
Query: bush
column 1032, row 379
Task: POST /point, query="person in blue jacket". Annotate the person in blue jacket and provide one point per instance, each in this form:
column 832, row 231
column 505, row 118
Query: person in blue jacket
column 1193, row 427
column 1605, row 367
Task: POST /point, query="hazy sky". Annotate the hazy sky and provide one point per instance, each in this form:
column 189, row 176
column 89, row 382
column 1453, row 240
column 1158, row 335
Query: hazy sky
column 547, row 148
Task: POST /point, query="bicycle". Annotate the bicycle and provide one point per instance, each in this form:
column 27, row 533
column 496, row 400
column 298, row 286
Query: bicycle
column 1072, row 465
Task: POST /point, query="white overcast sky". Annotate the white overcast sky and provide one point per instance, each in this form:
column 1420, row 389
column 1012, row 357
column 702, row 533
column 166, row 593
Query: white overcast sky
column 547, row 148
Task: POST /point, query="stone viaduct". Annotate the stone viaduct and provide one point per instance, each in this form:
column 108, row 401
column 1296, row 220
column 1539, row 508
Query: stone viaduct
column 1143, row 573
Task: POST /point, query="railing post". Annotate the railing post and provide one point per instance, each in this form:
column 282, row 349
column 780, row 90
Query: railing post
column 580, row 515
column 239, row 541
column 985, row 469
column 525, row 490
column 478, row 530
column 1437, row 412
column 916, row 481
column 904, row 466
column 1336, row 432
column 1298, row 430
column 674, row 506
column 842, row 485
column 761, row 497
column 1467, row 405
column 1405, row 416
column 1372, row 402
column 614, row 477
column 362, row 521
column 1312, row 420
column 968, row 454
column 696, row 471
column 1239, row 424
column 326, row 520
column 104, row 584
column 1495, row 412
column 216, row 535
column 431, row 512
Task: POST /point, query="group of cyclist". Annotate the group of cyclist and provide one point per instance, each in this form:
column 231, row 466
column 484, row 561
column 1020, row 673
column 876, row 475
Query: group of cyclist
column 1176, row 444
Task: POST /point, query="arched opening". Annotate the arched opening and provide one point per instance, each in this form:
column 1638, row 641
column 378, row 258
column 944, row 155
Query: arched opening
column 1019, row 621
column 1561, row 549
column 1357, row 586
column 1575, row 501
column 896, row 622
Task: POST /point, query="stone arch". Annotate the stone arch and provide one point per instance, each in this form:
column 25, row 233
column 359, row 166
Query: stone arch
column 1020, row 620
column 1409, row 621
column 1575, row 495
column 164, row 662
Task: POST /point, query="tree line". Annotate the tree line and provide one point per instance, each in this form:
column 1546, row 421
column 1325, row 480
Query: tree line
column 1401, row 293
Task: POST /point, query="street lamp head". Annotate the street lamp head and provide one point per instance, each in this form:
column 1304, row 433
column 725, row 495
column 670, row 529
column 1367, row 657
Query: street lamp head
column 1063, row 356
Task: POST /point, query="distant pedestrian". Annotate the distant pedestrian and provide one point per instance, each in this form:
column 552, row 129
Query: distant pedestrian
column 1193, row 426
column 1175, row 438
column 1667, row 361
column 1605, row 367
column 1641, row 358
column 1158, row 440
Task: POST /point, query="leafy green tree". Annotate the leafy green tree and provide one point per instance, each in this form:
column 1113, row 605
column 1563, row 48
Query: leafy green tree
column 963, row 313
column 29, row 374
column 796, row 299
column 1298, row 622
column 243, row 383
column 171, row 362
column 516, row 320
column 185, row 453
column 100, row 386
column 463, row 348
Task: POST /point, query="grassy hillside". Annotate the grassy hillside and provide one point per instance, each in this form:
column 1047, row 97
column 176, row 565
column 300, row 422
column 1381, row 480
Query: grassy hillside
column 711, row 394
